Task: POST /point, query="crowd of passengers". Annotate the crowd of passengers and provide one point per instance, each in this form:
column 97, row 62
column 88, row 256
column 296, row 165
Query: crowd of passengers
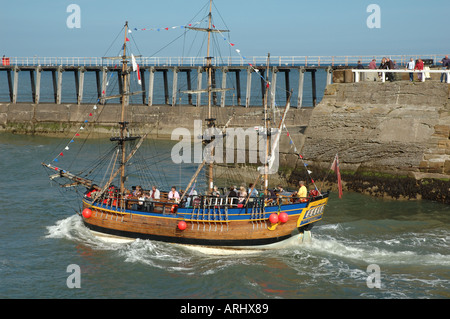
column 234, row 196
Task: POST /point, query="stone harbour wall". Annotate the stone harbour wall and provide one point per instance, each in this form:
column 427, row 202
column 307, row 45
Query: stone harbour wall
column 389, row 137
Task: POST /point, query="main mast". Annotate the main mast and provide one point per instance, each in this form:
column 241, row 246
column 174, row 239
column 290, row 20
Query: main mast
column 122, row 122
column 210, row 121
column 268, row 130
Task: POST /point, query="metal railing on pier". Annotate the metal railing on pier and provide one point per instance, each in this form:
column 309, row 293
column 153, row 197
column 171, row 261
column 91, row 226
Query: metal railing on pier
column 224, row 61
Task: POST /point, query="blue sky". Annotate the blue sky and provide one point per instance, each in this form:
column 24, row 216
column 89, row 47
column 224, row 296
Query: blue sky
column 283, row 28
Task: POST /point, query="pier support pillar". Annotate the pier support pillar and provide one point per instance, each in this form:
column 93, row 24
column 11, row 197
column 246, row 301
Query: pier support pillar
column 329, row 75
column 79, row 83
column 151, row 81
column 199, row 84
column 58, row 92
column 273, row 87
column 37, row 96
column 174, row 86
column 16, row 84
column 249, row 86
column 301, row 81
column 104, row 84
column 224, row 86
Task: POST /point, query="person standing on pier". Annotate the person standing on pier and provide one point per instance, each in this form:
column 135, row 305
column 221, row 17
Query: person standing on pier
column 411, row 66
column 445, row 65
column 390, row 66
column 419, row 66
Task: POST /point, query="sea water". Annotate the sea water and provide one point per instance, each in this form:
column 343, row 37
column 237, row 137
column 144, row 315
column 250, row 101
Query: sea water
column 41, row 236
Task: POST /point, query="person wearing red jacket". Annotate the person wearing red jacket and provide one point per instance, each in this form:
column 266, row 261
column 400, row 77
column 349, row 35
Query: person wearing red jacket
column 419, row 66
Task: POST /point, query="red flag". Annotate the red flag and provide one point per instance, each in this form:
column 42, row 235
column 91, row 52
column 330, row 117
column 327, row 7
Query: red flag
column 127, row 39
column 335, row 168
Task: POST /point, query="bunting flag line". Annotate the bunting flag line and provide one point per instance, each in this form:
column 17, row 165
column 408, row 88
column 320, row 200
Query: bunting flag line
column 77, row 133
column 166, row 28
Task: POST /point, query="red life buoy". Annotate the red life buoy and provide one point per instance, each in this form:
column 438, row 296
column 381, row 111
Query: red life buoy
column 173, row 209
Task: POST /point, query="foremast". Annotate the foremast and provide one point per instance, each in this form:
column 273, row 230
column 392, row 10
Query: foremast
column 122, row 139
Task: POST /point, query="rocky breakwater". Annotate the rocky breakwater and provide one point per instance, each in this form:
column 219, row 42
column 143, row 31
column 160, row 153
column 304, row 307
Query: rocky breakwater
column 393, row 139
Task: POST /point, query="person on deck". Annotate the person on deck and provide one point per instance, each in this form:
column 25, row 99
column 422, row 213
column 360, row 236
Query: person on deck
column 154, row 193
column 173, row 194
column 242, row 195
column 138, row 191
column 215, row 192
column 302, row 191
column 254, row 192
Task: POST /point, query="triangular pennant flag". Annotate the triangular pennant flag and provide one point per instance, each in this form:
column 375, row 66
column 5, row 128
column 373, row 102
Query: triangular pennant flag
column 90, row 114
column 127, row 40
column 77, row 135
column 61, row 154
column 138, row 72
column 66, row 148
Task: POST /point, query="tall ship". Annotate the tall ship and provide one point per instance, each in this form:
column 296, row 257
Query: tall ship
column 233, row 218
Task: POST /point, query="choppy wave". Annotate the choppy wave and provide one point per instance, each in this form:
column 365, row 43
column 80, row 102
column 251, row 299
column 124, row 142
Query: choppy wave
column 334, row 256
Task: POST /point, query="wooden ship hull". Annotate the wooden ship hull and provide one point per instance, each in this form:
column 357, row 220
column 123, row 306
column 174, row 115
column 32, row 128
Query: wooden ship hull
column 206, row 224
